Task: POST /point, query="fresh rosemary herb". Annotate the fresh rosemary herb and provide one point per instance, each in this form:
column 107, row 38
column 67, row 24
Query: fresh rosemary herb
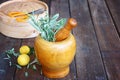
column 47, row 26
column 32, row 63
column 9, row 54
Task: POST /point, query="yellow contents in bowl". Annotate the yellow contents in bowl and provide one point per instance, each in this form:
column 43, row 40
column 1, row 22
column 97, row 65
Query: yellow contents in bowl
column 20, row 16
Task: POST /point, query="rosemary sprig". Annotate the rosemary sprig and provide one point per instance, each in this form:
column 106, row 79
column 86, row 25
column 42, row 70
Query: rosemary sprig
column 9, row 54
column 47, row 26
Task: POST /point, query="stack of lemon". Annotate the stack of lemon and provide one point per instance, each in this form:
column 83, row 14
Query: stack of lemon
column 23, row 59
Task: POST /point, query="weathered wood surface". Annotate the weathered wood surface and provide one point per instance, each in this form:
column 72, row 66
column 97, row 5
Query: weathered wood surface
column 97, row 36
column 108, row 38
column 6, row 43
column 114, row 7
column 88, row 59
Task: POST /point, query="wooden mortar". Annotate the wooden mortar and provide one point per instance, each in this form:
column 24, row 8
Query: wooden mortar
column 55, row 57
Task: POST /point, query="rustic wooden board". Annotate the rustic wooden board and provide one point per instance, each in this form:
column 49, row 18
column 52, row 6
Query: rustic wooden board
column 88, row 58
column 105, row 29
column 107, row 37
column 114, row 7
column 4, row 65
column 7, row 44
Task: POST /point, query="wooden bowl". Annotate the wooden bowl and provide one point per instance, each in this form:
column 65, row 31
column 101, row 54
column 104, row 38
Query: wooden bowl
column 10, row 27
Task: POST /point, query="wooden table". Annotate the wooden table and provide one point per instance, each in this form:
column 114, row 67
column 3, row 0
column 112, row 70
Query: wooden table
column 98, row 41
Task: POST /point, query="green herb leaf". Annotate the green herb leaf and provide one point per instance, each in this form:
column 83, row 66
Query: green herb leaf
column 47, row 26
column 26, row 74
column 55, row 17
column 18, row 66
column 32, row 51
column 10, row 63
column 34, row 61
column 6, row 58
column 9, row 54
column 34, row 67
column 28, row 66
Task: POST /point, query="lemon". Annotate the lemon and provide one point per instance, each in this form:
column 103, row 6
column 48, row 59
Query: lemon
column 23, row 59
column 24, row 49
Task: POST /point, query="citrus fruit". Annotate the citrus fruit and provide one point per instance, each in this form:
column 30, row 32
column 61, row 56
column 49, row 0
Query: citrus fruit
column 23, row 59
column 24, row 49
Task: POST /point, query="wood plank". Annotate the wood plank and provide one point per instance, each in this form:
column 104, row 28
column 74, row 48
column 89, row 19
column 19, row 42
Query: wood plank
column 105, row 29
column 88, row 58
column 114, row 7
column 112, row 62
column 107, row 37
column 7, row 43
column 62, row 7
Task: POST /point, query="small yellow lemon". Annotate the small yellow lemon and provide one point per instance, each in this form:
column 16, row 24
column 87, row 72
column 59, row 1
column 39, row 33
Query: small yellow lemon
column 23, row 59
column 24, row 49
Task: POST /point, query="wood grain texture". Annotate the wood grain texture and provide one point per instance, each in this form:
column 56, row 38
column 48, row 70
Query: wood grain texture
column 4, row 66
column 112, row 64
column 88, row 58
column 107, row 37
column 7, row 43
column 114, row 7
column 104, row 26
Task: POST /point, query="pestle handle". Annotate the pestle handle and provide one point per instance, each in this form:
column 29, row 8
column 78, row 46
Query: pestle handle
column 71, row 23
column 65, row 31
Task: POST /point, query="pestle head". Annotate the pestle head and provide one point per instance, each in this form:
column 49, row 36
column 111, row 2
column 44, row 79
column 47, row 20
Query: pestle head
column 64, row 32
column 72, row 22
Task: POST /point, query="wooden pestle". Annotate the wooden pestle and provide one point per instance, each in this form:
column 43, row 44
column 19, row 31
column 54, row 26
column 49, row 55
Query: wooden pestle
column 64, row 32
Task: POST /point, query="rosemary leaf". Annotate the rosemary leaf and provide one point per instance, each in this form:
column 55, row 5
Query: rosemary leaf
column 18, row 66
column 34, row 67
column 47, row 26
column 10, row 63
column 26, row 74
column 6, row 58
